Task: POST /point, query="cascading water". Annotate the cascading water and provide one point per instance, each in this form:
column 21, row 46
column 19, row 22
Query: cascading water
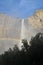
column 22, row 31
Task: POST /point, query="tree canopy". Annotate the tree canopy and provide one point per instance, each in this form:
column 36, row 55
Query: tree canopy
column 29, row 55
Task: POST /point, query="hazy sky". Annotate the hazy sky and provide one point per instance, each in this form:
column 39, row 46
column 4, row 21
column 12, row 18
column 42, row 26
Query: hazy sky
column 20, row 8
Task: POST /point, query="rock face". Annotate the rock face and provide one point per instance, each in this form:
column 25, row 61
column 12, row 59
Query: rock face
column 37, row 20
column 12, row 28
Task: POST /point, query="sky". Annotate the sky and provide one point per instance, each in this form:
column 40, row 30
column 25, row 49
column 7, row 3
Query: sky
column 20, row 8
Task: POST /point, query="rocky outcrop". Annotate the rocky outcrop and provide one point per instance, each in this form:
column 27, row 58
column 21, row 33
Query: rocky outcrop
column 37, row 20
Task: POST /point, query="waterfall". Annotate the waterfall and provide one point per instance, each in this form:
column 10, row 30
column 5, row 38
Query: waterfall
column 22, row 30
column 22, row 36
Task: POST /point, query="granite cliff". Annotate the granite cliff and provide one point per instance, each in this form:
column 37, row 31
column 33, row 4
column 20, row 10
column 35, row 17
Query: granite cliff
column 10, row 29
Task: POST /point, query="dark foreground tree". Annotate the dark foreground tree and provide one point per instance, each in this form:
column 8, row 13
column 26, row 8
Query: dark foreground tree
column 32, row 56
column 36, row 50
column 25, row 44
